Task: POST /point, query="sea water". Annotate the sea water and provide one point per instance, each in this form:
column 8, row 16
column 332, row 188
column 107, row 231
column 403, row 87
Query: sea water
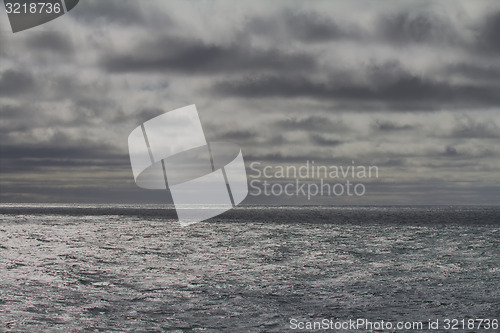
column 74, row 268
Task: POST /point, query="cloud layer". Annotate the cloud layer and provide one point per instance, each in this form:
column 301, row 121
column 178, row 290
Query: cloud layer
column 411, row 87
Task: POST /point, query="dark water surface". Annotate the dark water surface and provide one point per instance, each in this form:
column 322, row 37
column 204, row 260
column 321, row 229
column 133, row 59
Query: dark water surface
column 70, row 268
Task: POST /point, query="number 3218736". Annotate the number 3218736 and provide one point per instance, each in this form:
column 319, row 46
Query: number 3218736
column 32, row 8
column 463, row 324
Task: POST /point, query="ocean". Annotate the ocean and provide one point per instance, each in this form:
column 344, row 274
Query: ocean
column 112, row 268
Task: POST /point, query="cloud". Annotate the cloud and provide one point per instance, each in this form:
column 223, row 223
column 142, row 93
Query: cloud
column 407, row 91
column 106, row 12
column 481, row 73
column 50, row 41
column 190, row 56
column 47, row 151
column 450, row 151
column 389, row 126
column 47, row 158
column 313, row 27
column 15, row 82
column 3, row 49
column 488, row 33
column 312, row 123
column 307, row 26
column 325, row 141
column 412, row 26
column 288, row 82
column 238, row 136
column 11, row 111
column 468, row 127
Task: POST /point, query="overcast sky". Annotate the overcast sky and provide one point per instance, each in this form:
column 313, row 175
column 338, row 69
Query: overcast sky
column 412, row 87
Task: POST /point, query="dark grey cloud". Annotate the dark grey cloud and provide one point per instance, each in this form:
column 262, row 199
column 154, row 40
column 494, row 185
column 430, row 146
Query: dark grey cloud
column 487, row 38
column 43, row 158
column 106, row 12
column 59, row 192
column 190, row 56
column 79, row 102
column 388, row 126
column 416, row 27
column 437, row 191
column 406, row 91
column 468, row 127
column 401, row 27
column 304, row 25
column 237, row 136
column 282, row 157
column 144, row 114
column 485, row 72
column 47, row 165
column 450, row 151
column 392, row 162
column 3, row 48
column 16, row 82
column 321, row 140
column 14, row 120
column 312, row 123
column 462, row 157
column 94, row 105
column 37, row 86
column 11, row 111
column 311, row 26
column 74, row 151
column 55, row 42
